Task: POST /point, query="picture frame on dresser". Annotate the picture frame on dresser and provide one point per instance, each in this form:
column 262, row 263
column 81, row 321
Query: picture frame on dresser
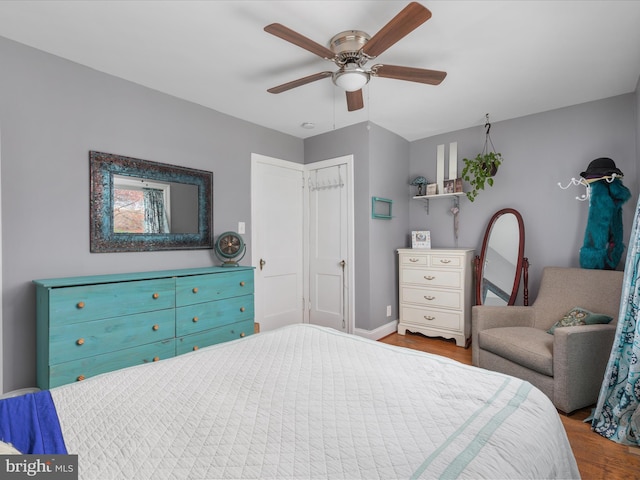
column 421, row 239
column 436, row 292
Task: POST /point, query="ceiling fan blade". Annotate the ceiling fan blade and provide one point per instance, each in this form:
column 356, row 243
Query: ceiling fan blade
column 299, row 82
column 405, row 22
column 410, row 74
column 289, row 35
column 355, row 100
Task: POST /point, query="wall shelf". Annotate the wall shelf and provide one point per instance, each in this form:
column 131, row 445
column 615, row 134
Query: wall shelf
column 439, row 195
column 456, row 199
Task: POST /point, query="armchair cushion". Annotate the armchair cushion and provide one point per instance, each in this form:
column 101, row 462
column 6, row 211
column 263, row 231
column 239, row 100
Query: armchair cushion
column 580, row 316
column 526, row 346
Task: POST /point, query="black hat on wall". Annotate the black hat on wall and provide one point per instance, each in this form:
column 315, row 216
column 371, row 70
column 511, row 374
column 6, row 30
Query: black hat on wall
column 601, row 167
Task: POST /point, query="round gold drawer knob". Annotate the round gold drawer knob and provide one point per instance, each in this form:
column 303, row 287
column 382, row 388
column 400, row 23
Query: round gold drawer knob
column 80, row 341
column 242, row 335
column 80, row 304
column 195, row 347
column 195, row 319
column 242, row 284
column 155, row 295
column 155, row 359
column 80, row 378
column 242, row 309
column 156, row 327
column 195, row 290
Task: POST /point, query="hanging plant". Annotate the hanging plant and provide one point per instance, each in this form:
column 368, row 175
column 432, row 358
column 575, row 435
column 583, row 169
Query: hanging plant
column 479, row 171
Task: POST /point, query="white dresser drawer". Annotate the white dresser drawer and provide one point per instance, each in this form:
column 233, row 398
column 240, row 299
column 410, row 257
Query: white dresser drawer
column 415, row 260
column 431, row 278
column 451, row 261
column 431, row 318
column 433, row 298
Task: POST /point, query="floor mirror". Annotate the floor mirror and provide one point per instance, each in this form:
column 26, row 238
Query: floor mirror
column 501, row 263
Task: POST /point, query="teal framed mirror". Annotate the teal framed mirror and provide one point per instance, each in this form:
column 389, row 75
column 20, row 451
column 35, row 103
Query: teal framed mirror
column 139, row 205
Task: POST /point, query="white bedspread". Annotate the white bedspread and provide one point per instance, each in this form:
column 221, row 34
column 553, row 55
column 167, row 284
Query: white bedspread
column 308, row 402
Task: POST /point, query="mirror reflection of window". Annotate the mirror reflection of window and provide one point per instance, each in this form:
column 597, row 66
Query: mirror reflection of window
column 140, row 205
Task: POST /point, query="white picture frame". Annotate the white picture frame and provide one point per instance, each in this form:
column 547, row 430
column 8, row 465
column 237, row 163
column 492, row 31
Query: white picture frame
column 421, row 239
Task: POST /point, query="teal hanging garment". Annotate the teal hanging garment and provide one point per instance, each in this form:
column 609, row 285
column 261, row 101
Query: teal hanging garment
column 603, row 246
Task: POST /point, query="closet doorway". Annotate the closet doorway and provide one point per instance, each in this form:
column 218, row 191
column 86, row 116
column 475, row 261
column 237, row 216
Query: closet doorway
column 302, row 242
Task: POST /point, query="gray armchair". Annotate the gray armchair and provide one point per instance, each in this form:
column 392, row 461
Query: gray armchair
column 567, row 366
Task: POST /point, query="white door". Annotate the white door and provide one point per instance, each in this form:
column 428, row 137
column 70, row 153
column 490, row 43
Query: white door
column 329, row 254
column 277, row 216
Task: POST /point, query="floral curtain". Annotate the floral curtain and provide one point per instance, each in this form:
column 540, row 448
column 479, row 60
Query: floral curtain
column 155, row 216
column 617, row 414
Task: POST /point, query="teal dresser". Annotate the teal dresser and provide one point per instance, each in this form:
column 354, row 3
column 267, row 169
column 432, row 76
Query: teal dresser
column 92, row 325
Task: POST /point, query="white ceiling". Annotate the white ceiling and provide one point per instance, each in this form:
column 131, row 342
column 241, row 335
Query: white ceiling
column 506, row 58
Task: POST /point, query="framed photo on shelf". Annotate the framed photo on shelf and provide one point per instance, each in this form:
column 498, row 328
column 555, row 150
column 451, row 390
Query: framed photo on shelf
column 421, row 239
column 449, row 186
column 432, row 188
column 458, row 185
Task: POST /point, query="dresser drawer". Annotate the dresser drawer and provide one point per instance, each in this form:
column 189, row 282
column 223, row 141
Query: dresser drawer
column 431, row 318
column 226, row 333
column 417, row 260
column 71, row 342
column 93, row 302
column 432, row 277
column 443, row 260
column 70, row 372
column 205, row 288
column 434, row 298
column 203, row 316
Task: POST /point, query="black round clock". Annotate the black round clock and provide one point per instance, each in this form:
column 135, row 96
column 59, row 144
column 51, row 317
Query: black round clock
column 230, row 249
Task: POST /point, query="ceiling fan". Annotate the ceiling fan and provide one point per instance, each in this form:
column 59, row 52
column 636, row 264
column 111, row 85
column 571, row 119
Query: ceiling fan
column 352, row 49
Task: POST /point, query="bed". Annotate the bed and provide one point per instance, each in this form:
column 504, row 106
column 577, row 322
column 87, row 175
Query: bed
column 306, row 402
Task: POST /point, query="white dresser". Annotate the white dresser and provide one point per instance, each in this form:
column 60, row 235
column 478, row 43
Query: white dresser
column 436, row 292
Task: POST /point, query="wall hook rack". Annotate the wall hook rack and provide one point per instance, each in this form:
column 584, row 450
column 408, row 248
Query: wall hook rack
column 577, row 182
column 586, row 184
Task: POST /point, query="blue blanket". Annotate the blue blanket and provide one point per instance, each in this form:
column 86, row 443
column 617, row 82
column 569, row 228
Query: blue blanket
column 30, row 423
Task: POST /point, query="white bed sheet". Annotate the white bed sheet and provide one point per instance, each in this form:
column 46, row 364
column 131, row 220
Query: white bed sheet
column 309, row 402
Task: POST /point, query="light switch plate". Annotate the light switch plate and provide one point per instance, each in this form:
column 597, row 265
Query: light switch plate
column 241, row 228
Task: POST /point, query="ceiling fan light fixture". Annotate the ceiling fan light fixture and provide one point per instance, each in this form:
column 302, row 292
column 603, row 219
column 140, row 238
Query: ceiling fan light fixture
column 351, row 78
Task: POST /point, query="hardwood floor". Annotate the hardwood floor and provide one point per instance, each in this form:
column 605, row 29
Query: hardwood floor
column 597, row 457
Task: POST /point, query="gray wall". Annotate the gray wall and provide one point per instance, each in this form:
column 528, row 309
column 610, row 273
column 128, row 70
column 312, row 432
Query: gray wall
column 388, row 179
column 539, row 151
column 52, row 112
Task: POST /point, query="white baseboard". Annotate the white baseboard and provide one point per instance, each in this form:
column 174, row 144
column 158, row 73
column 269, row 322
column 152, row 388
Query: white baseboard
column 378, row 333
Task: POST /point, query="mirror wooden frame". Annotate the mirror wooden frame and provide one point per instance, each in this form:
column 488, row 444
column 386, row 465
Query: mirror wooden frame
column 522, row 266
column 102, row 168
